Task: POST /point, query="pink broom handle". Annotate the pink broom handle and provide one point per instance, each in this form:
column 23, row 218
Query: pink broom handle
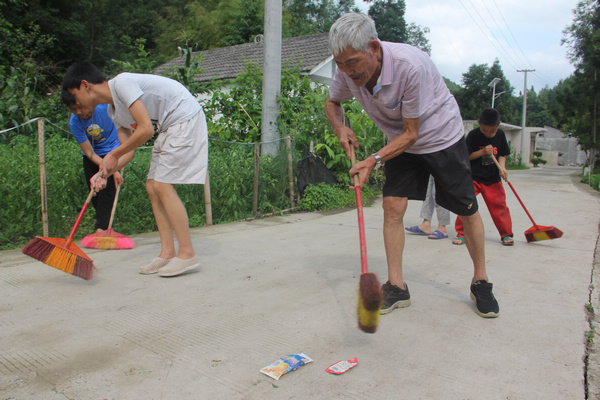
column 515, row 192
column 361, row 219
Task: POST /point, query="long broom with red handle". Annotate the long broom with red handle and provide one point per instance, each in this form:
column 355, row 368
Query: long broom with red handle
column 537, row 232
column 63, row 254
column 109, row 239
column 369, row 293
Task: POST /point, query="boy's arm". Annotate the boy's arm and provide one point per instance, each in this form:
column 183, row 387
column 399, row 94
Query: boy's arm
column 503, row 172
column 129, row 141
column 487, row 150
column 89, row 153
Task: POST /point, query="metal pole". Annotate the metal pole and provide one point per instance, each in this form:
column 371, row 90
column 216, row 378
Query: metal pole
column 524, row 159
column 271, row 75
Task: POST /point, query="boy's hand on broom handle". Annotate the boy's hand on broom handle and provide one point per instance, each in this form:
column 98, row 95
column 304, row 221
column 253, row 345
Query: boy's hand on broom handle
column 503, row 172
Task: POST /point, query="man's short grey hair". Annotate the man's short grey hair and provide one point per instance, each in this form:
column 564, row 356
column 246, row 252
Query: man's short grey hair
column 351, row 30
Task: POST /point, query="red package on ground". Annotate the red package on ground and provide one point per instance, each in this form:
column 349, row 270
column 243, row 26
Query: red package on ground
column 342, row 366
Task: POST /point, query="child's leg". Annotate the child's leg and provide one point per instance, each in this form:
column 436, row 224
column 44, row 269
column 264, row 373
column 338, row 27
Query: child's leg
column 495, row 199
column 169, row 219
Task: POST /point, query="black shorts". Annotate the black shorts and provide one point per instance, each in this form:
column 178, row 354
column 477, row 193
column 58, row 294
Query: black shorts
column 407, row 175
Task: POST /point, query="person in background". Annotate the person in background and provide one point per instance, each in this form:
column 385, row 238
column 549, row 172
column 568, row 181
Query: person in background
column 95, row 132
column 483, row 143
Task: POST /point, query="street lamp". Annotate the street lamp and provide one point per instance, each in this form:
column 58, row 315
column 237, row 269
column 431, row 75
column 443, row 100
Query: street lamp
column 492, row 84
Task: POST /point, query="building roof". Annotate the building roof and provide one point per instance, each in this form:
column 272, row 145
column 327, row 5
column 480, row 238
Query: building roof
column 228, row 62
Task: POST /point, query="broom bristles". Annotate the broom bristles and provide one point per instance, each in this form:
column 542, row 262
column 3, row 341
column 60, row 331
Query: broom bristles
column 61, row 258
column 370, row 291
column 538, row 233
column 369, row 302
column 367, row 320
column 108, row 240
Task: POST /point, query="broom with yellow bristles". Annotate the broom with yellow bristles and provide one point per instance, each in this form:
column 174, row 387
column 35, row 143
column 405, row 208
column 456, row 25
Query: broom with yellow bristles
column 63, row 254
column 109, row 239
column 536, row 232
column 369, row 289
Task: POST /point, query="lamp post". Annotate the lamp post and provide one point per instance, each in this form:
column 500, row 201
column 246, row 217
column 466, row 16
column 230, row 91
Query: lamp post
column 492, row 84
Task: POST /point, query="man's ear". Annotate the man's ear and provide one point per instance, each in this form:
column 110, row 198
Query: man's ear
column 374, row 45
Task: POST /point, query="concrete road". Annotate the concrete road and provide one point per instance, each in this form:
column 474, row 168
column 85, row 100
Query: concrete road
column 286, row 285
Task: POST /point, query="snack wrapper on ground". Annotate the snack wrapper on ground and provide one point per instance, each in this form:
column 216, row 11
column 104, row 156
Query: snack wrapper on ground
column 342, row 366
column 285, row 365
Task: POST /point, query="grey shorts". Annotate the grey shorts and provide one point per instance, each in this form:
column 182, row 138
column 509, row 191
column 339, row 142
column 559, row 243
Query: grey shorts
column 407, row 175
column 180, row 153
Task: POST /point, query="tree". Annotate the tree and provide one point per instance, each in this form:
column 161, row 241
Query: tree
column 475, row 93
column 308, row 17
column 389, row 20
column 583, row 40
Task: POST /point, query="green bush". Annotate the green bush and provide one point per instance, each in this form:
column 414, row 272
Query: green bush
column 322, row 197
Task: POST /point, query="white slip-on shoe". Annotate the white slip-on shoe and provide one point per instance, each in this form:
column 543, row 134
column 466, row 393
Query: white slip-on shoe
column 177, row 266
column 154, row 266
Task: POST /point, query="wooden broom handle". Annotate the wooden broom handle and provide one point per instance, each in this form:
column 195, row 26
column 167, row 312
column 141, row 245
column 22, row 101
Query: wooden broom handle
column 114, row 207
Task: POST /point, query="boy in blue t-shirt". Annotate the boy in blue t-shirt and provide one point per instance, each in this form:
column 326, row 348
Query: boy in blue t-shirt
column 97, row 135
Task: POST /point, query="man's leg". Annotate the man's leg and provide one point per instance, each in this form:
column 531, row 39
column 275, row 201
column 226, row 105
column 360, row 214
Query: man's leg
column 475, row 241
column 393, row 236
column 395, row 291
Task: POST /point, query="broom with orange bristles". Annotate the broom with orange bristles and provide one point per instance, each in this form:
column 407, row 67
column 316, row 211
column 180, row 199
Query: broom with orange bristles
column 63, row 254
column 369, row 289
column 536, row 232
column 109, row 239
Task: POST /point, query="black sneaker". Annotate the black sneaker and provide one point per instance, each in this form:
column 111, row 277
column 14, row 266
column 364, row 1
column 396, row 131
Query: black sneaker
column 481, row 294
column 393, row 297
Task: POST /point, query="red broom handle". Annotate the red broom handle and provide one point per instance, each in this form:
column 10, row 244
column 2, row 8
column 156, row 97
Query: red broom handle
column 361, row 220
column 515, row 192
column 79, row 217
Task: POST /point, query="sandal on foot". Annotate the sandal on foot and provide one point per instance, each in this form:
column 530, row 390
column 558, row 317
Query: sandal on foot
column 458, row 240
column 417, row 230
column 437, row 235
column 507, row 241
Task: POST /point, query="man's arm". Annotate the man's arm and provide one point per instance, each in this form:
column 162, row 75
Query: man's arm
column 408, row 137
column 335, row 116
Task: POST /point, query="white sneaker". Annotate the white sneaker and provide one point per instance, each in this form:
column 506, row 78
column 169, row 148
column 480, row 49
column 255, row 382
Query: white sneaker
column 154, row 266
column 178, row 266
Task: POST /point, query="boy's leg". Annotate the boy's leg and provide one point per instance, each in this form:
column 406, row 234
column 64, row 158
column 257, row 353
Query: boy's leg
column 495, row 199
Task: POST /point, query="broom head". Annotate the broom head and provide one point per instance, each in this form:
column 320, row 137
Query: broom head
column 539, row 232
column 107, row 240
column 60, row 254
column 369, row 302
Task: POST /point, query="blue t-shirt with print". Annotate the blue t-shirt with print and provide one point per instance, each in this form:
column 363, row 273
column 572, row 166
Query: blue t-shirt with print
column 99, row 130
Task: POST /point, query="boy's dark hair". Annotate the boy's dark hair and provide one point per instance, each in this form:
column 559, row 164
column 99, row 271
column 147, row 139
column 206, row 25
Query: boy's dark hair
column 81, row 71
column 67, row 98
column 489, row 117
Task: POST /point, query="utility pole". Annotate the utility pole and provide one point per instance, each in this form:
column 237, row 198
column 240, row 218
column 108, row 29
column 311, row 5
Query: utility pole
column 271, row 75
column 524, row 159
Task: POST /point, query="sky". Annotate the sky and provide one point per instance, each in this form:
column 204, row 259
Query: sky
column 522, row 34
